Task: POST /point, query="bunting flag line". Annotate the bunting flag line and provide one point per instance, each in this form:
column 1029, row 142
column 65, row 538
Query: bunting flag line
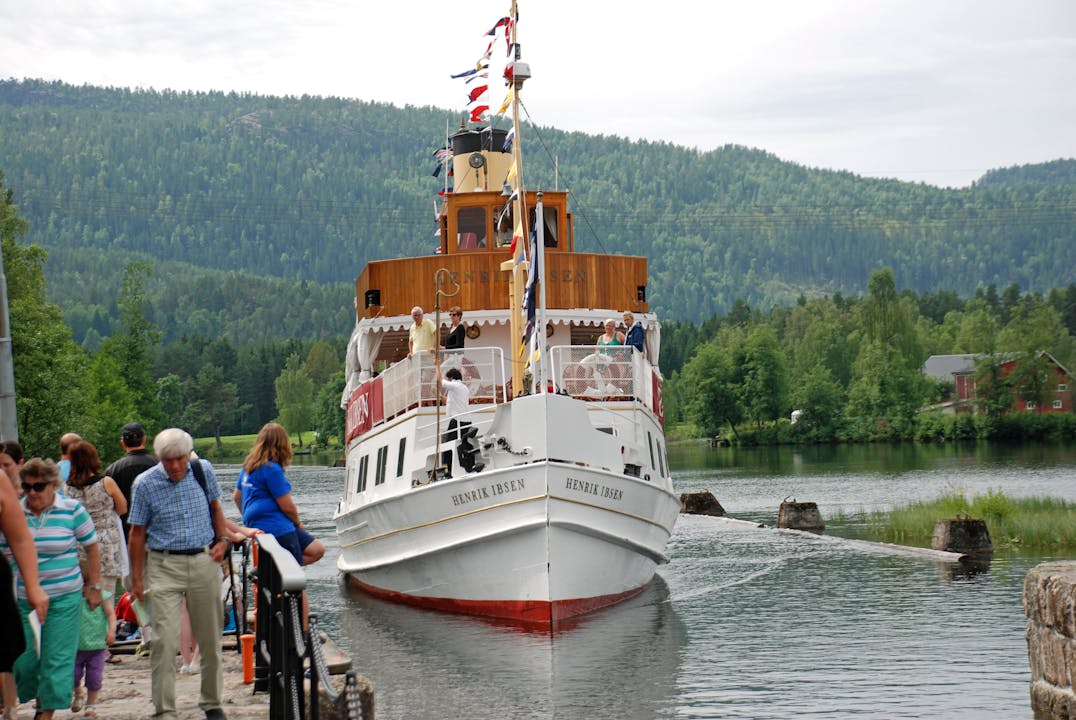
column 530, row 291
column 508, row 139
column 477, row 92
column 442, row 155
column 507, row 101
column 517, row 233
column 478, row 112
column 479, row 67
column 503, row 22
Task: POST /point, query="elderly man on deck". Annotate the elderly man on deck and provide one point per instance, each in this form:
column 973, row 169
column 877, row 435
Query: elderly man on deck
column 422, row 335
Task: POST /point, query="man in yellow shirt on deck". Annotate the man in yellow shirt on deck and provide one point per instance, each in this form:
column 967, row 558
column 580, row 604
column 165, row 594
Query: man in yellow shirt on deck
column 422, row 335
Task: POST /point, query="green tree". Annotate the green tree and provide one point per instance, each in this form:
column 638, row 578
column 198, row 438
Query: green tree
column 993, row 392
column 112, row 403
column 170, row 399
column 213, row 403
column 48, row 363
column 134, row 343
column 295, row 397
column 322, row 362
column 819, row 400
column 712, row 390
column 764, row 389
column 885, row 392
column 329, row 417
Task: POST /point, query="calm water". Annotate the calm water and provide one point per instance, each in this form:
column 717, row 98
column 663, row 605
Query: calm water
column 742, row 623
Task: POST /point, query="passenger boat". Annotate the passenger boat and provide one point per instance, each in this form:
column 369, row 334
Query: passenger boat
column 560, row 501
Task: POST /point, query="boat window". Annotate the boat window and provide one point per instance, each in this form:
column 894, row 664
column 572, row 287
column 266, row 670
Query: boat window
column 471, row 228
column 650, row 441
column 502, row 233
column 400, row 459
column 661, row 459
column 607, row 430
column 360, row 486
column 382, row 461
column 550, row 216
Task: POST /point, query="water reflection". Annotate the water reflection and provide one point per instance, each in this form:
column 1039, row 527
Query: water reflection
column 619, row 663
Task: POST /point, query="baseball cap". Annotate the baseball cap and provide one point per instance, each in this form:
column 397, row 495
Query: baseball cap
column 133, row 432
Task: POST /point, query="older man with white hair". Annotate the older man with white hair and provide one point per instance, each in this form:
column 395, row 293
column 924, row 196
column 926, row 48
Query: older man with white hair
column 422, row 335
column 176, row 515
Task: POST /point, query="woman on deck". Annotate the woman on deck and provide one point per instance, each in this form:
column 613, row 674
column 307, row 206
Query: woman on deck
column 611, row 336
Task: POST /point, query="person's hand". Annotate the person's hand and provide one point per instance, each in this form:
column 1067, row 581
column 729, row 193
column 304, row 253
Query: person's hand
column 39, row 601
column 136, row 588
column 93, row 597
column 218, row 550
column 110, row 636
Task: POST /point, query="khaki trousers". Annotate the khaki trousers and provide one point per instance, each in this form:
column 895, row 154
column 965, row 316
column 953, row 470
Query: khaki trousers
column 170, row 579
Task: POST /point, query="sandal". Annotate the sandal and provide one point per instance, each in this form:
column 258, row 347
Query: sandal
column 90, row 711
column 113, row 659
column 79, row 700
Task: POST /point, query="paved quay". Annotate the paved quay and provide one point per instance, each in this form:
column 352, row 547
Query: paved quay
column 125, row 694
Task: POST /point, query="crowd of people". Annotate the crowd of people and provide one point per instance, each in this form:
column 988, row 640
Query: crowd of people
column 150, row 528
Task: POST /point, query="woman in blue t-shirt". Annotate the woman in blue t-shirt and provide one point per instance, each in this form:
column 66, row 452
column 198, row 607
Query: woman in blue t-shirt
column 263, row 495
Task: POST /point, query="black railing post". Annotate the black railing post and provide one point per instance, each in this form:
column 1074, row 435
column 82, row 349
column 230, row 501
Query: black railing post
column 278, row 639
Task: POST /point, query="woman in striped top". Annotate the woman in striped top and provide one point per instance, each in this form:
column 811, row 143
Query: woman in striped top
column 59, row 526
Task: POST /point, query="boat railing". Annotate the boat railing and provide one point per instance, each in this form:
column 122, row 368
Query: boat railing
column 605, row 373
column 410, row 382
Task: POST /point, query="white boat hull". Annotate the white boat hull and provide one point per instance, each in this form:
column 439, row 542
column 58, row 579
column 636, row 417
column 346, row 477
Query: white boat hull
column 535, row 542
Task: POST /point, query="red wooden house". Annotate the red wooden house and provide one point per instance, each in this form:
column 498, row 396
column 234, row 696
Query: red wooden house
column 961, row 371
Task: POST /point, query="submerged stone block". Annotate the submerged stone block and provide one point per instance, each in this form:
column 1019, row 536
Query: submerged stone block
column 962, row 535
column 701, row 503
column 800, row 516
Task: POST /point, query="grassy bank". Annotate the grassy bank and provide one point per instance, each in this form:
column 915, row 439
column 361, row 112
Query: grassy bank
column 235, row 447
column 1036, row 522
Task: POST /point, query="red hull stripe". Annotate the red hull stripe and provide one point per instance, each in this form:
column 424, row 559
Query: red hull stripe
column 530, row 612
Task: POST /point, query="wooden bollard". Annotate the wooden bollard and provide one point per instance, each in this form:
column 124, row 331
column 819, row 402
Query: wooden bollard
column 701, row 503
column 962, row 535
column 800, row 516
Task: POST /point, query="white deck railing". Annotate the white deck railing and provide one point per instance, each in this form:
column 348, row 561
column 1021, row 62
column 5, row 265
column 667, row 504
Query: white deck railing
column 590, row 373
column 410, row 382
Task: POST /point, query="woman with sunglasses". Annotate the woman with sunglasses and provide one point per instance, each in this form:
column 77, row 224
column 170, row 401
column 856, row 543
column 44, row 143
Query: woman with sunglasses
column 59, row 526
column 17, row 544
column 456, row 333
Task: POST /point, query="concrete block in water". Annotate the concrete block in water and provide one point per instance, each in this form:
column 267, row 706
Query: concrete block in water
column 962, row 535
column 800, row 516
column 701, row 503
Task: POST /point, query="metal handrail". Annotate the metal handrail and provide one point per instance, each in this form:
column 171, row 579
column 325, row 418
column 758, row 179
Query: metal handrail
column 279, row 641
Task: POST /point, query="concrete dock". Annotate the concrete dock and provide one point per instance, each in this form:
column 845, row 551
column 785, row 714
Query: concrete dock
column 125, row 694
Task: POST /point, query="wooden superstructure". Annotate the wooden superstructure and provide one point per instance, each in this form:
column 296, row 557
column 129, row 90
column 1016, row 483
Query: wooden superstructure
column 476, row 227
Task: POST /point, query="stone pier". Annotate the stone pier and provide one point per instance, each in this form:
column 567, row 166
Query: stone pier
column 1050, row 606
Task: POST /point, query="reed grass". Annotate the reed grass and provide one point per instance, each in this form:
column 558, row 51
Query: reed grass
column 1033, row 522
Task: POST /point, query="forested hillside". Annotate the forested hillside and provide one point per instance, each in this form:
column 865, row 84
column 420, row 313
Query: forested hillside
column 255, row 195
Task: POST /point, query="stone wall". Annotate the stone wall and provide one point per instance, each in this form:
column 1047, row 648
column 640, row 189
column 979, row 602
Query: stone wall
column 1050, row 606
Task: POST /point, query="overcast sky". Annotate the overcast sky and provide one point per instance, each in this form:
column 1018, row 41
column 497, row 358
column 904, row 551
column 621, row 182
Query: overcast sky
column 937, row 91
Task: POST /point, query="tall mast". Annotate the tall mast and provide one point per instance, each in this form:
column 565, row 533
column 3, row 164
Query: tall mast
column 520, row 72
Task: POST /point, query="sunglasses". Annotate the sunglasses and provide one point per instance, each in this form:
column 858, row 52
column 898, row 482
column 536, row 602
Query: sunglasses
column 36, row 487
